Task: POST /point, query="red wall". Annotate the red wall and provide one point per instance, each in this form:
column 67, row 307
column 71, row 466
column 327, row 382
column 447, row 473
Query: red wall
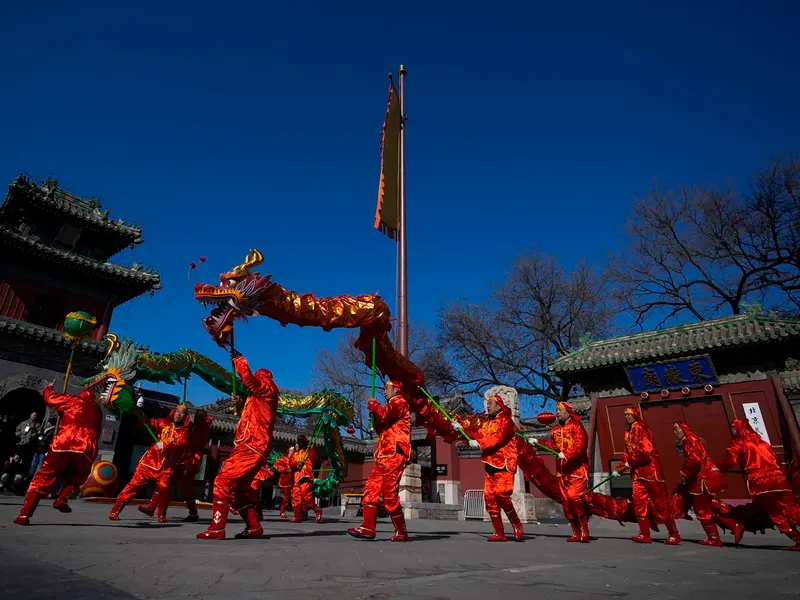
column 708, row 415
column 17, row 296
column 472, row 473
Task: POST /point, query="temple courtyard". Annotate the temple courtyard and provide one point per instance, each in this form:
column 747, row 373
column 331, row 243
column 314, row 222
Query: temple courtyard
column 85, row 556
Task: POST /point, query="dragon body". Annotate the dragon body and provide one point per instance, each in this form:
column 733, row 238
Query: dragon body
column 125, row 364
column 244, row 293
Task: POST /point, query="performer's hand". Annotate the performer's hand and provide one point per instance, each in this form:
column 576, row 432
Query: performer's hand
column 457, row 426
column 373, row 405
column 474, row 444
column 140, row 402
column 160, row 445
column 616, row 473
column 561, row 456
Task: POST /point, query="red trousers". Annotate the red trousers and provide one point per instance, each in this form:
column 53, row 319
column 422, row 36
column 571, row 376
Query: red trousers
column 286, row 494
column 497, row 488
column 302, row 495
column 781, row 507
column 144, row 475
column 702, row 505
column 574, row 491
column 73, row 467
column 234, row 483
column 385, row 481
column 656, row 493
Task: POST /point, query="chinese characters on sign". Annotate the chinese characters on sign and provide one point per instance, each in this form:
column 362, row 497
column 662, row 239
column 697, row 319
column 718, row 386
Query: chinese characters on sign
column 672, row 375
column 753, row 413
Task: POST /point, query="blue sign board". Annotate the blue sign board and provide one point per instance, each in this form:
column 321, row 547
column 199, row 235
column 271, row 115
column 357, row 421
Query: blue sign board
column 696, row 371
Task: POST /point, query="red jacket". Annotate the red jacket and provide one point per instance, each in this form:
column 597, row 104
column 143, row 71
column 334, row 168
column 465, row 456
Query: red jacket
column 572, row 441
column 640, row 451
column 257, row 421
column 306, row 471
column 81, row 419
column 496, row 438
column 174, row 439
column 757, row 459
column 199, row 435
column 393, row 425
column 699, row 472
column 284, row 470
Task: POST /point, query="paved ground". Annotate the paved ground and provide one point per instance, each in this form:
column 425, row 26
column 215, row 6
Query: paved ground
column 85, row 556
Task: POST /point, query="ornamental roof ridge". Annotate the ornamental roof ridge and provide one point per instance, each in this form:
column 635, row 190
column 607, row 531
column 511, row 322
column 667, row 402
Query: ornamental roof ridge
column 731, row 331
column 88, row 210
column 24, row 329
column 138, row 272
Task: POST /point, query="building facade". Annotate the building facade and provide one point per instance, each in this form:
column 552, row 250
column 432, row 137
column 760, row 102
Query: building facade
column 55, row 258
column 705, row 374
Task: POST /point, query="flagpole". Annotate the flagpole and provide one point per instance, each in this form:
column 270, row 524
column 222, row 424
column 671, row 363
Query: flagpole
column 402, row 284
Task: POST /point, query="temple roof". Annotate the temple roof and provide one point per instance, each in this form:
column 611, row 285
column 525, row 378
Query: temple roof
column 718, row 334
column 49, row 197
column 136, row 279
column 45, row 334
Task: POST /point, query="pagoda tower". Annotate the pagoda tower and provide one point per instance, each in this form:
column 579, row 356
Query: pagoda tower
column 55, row 252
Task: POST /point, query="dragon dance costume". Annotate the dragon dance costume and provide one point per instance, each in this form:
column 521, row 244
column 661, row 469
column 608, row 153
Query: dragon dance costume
column 233, row 484
column 158, row 465
column 187, row 469
column 571, row 441
column 71, row 453
column 702, row 480
column 392, row 423
column 302, row 465
column 649, row 485
column 285, row 480
column 766, row 482
column 495, row 435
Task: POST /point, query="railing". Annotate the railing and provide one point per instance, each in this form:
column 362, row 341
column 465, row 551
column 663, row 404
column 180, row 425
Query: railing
column 473, row 504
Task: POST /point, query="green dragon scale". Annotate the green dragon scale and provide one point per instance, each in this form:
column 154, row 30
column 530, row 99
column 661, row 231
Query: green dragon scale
column 125, row 364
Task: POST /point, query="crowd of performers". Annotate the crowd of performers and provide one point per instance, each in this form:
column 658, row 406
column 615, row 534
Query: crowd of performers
column 176, row 458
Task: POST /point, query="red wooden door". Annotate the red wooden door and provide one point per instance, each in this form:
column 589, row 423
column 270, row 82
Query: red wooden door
column 762, row 393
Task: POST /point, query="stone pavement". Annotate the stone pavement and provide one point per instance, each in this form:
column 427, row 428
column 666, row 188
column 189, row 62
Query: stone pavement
column 84, row 556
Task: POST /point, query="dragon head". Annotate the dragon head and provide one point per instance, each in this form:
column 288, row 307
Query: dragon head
column 237, row 296
column 117, row 375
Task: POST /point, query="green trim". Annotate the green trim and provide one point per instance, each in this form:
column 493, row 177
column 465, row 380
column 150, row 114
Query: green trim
column 704, row 336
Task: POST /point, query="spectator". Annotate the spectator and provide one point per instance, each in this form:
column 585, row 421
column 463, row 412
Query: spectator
column 13, row 472
column 27, row 433
column 42, row 445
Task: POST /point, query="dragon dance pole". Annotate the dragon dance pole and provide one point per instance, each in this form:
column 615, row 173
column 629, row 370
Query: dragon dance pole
column 233, row 373
column 602, row 482
column 371, row 420
column 444, row 413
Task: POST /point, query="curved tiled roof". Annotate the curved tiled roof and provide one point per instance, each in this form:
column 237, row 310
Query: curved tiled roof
column 138, row 275
column 65, row 203
column 44, row 334
column 705, row 336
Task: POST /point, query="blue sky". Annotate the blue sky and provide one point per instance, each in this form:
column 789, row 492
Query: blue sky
column 222, row 127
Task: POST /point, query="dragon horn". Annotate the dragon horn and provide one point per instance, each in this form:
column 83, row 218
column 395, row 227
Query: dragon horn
column 112, row 340
column 253, row 259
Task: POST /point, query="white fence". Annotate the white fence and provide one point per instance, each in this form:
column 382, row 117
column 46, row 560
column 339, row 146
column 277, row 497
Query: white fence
column 473, row 504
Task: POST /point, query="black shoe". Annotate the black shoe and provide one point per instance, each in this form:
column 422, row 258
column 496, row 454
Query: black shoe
column 191, row 518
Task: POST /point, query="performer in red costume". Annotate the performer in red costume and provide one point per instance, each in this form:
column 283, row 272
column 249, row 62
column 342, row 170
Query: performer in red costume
column 233, row 485
column 302, row 464
column 187, row 469
column 494, row 435
column 571, row 441
column 702, row 481
column 392, row 423
column 72, row 451
column 158, row 464
column 283, row 466
column 766, row 482
column 641, row 457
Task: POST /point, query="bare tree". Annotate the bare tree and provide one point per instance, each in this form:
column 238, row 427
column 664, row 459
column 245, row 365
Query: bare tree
column 345, row 370
column 538, row 313
column 706, row 253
